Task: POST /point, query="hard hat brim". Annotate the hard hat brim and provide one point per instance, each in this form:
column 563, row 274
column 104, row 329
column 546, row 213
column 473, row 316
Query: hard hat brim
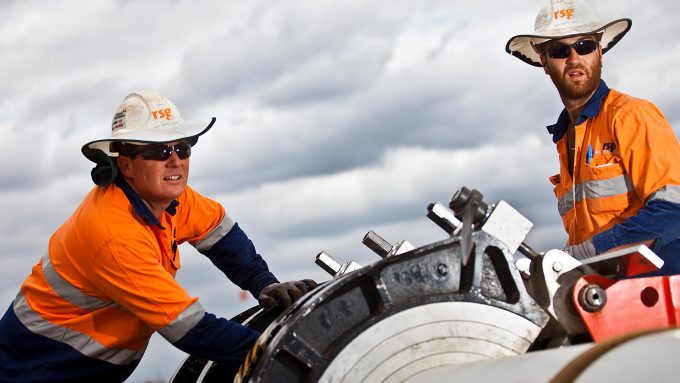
column 186, row 131
column 521, row 47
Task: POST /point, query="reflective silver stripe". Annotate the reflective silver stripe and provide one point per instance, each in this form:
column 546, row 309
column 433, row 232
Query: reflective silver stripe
column 669, row 193
column 81, row 342
column 566, row 203
column 184, row 322
column 594, row 189
column 603, row 188
column 215, row 235
column 67, row 291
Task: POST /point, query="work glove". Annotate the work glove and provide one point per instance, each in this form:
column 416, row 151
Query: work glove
column 581, row 251
column 284, row 294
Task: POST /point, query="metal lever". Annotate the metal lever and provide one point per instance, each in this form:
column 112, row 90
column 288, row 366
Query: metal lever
column 469, row 205
column 499, row 220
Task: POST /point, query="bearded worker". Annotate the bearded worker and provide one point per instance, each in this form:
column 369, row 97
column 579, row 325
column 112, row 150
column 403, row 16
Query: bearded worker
column 619, row 179
column 106, row 282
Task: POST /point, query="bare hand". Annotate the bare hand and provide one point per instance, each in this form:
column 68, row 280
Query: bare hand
column 284, row 294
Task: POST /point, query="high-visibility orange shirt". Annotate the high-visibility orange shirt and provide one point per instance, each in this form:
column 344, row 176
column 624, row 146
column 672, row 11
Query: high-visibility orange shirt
column 626, row 155
column 107, row 283
column 113, row 258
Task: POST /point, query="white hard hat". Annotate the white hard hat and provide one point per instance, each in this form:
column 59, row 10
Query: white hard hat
column 147, row 117
column 562, row 19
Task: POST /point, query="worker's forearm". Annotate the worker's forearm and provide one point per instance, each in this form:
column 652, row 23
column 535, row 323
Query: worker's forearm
column 658, row 222
column 218, row 339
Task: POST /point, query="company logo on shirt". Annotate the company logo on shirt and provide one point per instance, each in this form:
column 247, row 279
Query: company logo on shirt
column 609, row 147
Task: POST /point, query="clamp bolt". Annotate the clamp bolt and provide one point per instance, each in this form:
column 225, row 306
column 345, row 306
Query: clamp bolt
column 327, row 263
column 592, row 297
column 376, row 243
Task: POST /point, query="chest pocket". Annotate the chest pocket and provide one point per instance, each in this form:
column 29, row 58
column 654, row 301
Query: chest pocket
column 603, row 166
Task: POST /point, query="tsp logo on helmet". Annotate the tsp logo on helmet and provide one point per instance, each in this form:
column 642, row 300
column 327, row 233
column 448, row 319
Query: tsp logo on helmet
column 564, row 13
column 162, row 113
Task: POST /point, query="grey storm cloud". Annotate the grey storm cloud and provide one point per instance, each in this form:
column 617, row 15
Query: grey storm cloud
column 289, row 53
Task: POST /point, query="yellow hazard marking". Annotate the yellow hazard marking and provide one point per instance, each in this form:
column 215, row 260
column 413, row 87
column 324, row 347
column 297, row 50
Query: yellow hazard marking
column 252, row 357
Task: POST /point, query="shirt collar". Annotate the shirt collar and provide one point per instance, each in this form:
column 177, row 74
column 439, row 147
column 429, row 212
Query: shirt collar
column 591, row 110
column 140, row 207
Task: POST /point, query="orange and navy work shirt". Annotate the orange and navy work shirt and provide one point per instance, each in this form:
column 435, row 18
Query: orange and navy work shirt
column 626, row 173
column 106, row 283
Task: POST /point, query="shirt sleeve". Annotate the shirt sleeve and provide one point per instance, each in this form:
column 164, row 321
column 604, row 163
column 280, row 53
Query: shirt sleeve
column 649, row 150
column 218, row 339
column 197, row 216
column 651, row 159
column 235, row 255
column 657, row 220
column 204, row 223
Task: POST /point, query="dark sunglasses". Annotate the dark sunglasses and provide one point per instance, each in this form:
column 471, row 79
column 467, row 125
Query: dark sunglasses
column 562, row 51
column 157, row 152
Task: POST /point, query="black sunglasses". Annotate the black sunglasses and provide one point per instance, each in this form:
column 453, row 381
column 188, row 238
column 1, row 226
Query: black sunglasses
column 157, row 152
column 562, row 51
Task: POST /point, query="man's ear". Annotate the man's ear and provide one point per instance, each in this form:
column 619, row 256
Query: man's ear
column 543, row 59
column 124, row 165
column 599, row 52
column 538, row 48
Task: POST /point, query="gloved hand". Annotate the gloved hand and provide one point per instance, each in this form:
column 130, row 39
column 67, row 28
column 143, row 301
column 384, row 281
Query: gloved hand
column 285, row 293
column 581, row 251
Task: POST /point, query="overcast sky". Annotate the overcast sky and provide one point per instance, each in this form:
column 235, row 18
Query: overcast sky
column 333, row 118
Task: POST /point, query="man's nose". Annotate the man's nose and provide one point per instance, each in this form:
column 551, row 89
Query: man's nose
column 573, row 56
column 174, row 159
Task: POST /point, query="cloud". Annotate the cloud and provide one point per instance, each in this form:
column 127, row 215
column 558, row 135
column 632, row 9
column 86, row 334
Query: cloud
column 402, row 178
column 288, row 53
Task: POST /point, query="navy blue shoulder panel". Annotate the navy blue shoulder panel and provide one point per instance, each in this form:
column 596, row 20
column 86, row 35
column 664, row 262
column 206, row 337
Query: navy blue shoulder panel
column 235, row 255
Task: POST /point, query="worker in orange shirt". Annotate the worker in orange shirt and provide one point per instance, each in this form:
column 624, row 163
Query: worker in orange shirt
column 106, row 283
column 619, row 179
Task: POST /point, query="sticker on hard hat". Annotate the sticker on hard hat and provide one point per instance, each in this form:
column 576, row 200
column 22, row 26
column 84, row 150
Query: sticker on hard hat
column 118, row 121
column 162, row 113
column 564, row 13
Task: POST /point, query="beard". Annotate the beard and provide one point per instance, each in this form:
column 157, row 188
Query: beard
column 578, row 90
